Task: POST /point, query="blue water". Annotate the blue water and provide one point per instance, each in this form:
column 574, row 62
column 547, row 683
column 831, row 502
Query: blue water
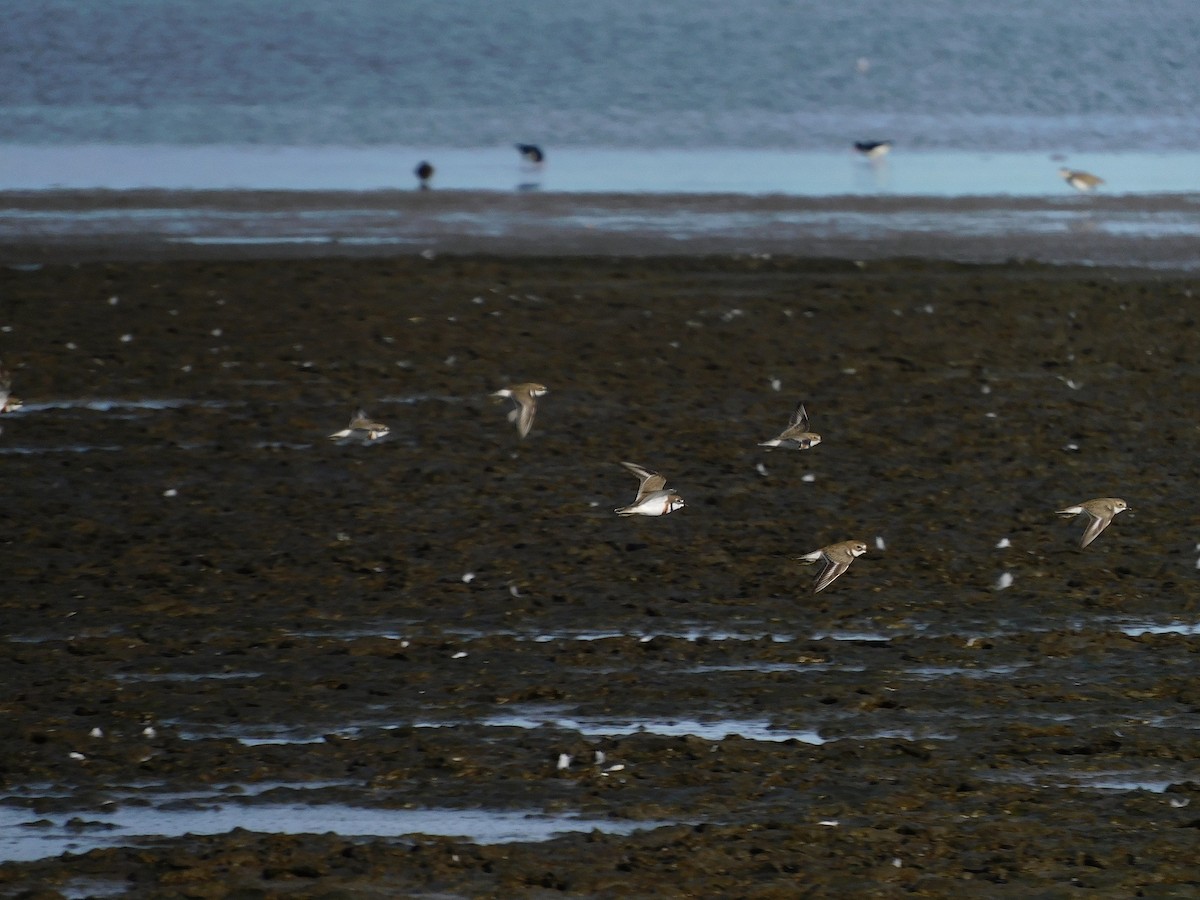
column 719, row 170
column 762, row 98
column 1026, row 75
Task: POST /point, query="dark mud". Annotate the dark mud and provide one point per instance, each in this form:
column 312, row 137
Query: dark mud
column 434, row 621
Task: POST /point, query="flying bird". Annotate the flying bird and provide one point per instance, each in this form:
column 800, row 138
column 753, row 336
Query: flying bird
column 796, row 436
column 524, row 396
column 837, row 559
column 8, row 402
column 1100, row 513
column 361, row 428
column 654, row 498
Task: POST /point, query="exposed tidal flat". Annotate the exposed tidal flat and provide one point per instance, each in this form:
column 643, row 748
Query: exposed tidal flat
column 1160, row 231
column 219, row 625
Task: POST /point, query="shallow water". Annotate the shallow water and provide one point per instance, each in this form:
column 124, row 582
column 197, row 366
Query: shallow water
column 1158, row 228
column 715, row 730
column 1122, row 781
column 71, row 448
column 25, row 835
column 113, row 404
column 1161, row 628
column 575, row 170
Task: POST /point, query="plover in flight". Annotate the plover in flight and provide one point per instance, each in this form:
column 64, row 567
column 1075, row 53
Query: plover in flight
column 837, row 559
column 1081, row 181
column 873, row 149
column 424, row 172
column 7, row 401
column 525, row 397
column 361, row 428
column 653, row 496
column 796, row 436
column 531, row 153
column 1100, row 514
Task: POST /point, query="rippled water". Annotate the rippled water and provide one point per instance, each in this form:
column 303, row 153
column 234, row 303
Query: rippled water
column 676, row 73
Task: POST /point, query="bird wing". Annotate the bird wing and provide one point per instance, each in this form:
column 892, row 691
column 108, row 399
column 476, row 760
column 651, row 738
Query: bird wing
column 1096, row 524
column 650, row 481
column 526, row 411
column 829, row 574
column 799, row 418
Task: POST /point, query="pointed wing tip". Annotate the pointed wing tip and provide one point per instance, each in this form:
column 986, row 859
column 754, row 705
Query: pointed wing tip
column 1093, row 531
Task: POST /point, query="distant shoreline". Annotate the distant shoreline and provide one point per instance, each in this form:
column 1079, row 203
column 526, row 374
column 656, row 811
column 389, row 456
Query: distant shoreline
column 1144, row 231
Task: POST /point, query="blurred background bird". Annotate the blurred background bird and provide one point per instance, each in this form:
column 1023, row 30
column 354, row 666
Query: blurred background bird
column 873, row 149
column 531, row 153
column 1081, row 181
column 424, row 172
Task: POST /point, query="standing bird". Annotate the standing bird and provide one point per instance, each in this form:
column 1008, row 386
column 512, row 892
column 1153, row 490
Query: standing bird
column 1083, row 182
column 361, row 428
column 424, row 172
column 531, row 153
column 837, row 559
column 796, row 436
column 8, row 402
column 654, row 498
column 1100, row 514
column 525, row 397
column 873, row 149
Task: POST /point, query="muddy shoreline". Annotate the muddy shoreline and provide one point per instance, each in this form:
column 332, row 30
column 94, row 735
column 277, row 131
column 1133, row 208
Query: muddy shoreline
column 210, row 606
column 1151, row 231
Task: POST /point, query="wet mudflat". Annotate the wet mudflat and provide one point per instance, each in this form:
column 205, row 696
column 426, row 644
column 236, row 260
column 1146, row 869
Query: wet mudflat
column 1143, row 229
column 243, row 660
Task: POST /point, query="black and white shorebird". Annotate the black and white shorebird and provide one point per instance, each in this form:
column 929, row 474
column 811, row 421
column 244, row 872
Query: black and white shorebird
column 873, row 149
column 424, row 172
column 1084, row 182
column 654, row 498
column 532, row 154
